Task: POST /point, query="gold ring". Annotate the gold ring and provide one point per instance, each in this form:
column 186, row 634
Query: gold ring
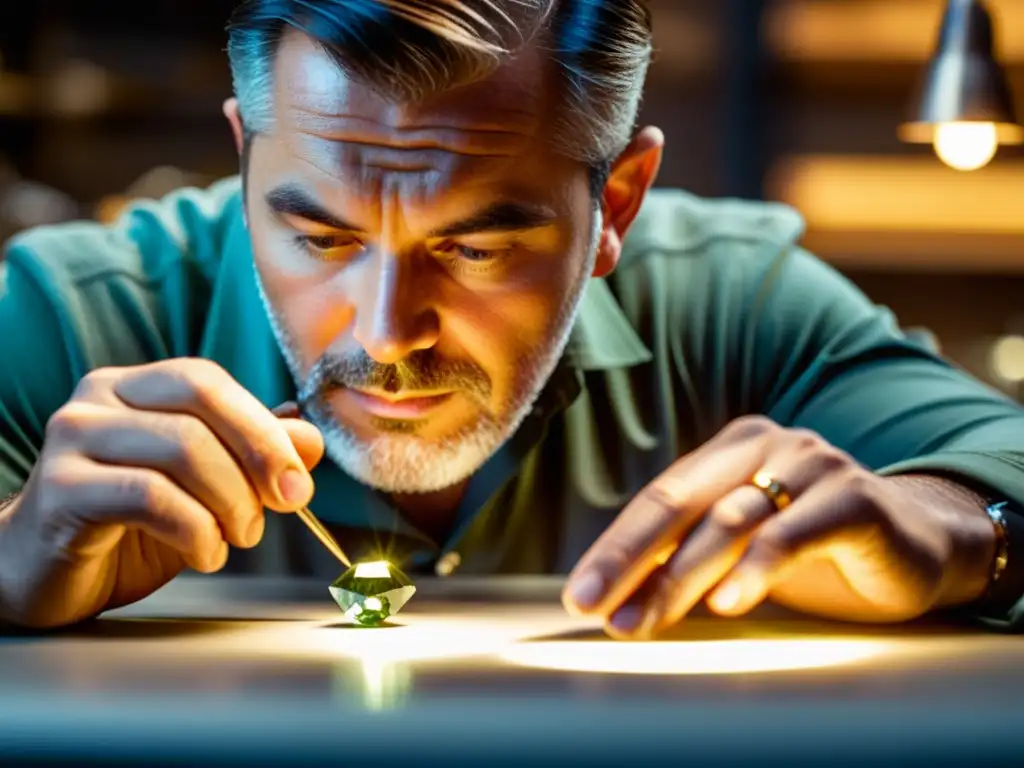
column 773, row 489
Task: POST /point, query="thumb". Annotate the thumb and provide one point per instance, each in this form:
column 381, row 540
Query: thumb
column 306, row 438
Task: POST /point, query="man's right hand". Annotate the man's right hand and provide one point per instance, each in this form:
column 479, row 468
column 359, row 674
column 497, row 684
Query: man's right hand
column 144, row 472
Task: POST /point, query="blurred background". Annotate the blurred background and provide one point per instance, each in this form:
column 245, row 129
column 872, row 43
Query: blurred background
column 790, row 100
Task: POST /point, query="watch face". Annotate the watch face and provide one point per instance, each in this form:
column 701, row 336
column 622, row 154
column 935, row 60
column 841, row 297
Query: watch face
column 1006, row 587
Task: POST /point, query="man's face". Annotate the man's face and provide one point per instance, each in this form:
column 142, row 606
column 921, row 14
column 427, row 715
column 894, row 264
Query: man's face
column 422, row 265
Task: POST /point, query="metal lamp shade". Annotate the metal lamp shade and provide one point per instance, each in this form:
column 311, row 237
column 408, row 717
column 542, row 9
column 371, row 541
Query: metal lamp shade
column 963, row 82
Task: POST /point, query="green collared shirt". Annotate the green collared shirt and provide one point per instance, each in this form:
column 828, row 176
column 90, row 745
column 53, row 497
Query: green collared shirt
column 714, row 313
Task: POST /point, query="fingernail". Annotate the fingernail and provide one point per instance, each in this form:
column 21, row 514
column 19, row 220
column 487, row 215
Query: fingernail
column 726, row 598
column 587, row 590
column 295, row 487
column 286, row 410
column 627, row 618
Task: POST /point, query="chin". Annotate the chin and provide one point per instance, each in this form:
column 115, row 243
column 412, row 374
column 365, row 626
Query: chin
column 396, row 462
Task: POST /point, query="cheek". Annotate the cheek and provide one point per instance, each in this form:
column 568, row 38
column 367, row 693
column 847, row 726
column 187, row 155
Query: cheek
column 315, row 320
column 504, row 329
column 302, row 294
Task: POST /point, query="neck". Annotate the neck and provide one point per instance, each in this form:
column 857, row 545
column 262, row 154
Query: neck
column 434, row 512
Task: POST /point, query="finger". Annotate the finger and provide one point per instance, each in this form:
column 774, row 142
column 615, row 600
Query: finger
column 627, row 622
column 253, row 434
column 721, row 536
column 183, row 448
column 306, row 438
column 649, row 529
column 707, row 554
column 820, row 519
column 141, row 499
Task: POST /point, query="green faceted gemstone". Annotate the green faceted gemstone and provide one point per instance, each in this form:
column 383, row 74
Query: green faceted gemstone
column 369, row 593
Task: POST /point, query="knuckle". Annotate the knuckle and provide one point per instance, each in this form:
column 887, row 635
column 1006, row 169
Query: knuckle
column 859, row 484
column 811, row 445
column 771, row 546
column 94, row 380
column 614, row 557
column 832, row 460
column 239, row 510
column 68, row 424
column 144, row 491
column 807, row 439
column 728, row 517
column 260, row 461
column 200, row 535
column 202, row 380
column 750, row 426
column 57, row 480
column 205, row 373
column 861, row 488
column 189, row 440
column 663, row 493
column 196, row 366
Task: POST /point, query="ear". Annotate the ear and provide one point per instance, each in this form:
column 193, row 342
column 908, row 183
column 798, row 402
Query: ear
column 234, row 117
column 631, row 177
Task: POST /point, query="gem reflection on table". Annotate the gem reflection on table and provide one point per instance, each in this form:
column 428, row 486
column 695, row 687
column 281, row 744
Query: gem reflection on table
column 543, row 638
column 372, row 592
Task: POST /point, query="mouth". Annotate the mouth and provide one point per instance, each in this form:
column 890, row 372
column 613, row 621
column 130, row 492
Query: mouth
column 405, row 405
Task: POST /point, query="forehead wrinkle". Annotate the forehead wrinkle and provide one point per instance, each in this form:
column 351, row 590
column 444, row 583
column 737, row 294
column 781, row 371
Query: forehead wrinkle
column 375, row 187
column 316, row 120
column 439, row 171
column 486, row 142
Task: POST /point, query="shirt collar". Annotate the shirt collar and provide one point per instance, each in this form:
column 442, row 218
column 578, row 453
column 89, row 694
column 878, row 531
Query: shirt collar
column 602, row 337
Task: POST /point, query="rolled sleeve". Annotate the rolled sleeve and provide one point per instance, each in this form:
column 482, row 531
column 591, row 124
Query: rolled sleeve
column 828, row 360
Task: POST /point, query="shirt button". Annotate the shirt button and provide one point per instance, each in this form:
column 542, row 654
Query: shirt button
column 448, row 564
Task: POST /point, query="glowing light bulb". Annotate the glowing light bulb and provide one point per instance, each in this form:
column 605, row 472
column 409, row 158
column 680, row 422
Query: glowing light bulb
column 966, row 146
column 1006, row 359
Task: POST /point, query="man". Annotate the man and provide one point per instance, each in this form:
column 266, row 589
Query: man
column 428, row 252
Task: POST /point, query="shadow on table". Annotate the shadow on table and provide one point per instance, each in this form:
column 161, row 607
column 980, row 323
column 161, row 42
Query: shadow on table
column 135, row 629
column 159, row 629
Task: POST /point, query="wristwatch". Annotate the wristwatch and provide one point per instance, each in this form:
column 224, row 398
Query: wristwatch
column 1006, row 584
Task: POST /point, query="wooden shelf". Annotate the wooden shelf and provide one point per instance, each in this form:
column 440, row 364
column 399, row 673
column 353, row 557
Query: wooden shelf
column 966, row 254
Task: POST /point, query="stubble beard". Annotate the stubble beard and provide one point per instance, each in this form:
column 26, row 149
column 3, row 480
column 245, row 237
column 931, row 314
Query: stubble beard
column 399, row 461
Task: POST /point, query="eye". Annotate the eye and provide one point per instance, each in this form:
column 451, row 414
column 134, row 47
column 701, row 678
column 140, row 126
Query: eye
column 324, row 246
column 465, row 253
column 473, row 254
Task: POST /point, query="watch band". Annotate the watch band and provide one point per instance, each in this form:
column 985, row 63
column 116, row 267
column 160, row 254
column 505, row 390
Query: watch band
column 1006, row 585
column 997, row 515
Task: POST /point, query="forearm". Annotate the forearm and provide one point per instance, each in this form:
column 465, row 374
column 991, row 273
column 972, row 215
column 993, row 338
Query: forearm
column 961, row 514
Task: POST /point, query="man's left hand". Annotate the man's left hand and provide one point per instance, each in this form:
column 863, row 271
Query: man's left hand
column 840, row 542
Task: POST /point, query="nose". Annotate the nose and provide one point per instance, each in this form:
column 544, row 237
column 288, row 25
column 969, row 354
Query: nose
column 394, row 315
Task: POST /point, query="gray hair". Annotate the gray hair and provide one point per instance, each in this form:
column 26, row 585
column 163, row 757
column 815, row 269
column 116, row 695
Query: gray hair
column 408, row 49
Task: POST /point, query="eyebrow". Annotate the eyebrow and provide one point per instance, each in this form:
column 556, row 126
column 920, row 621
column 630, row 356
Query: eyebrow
column 291, row 200
column 500, row 217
